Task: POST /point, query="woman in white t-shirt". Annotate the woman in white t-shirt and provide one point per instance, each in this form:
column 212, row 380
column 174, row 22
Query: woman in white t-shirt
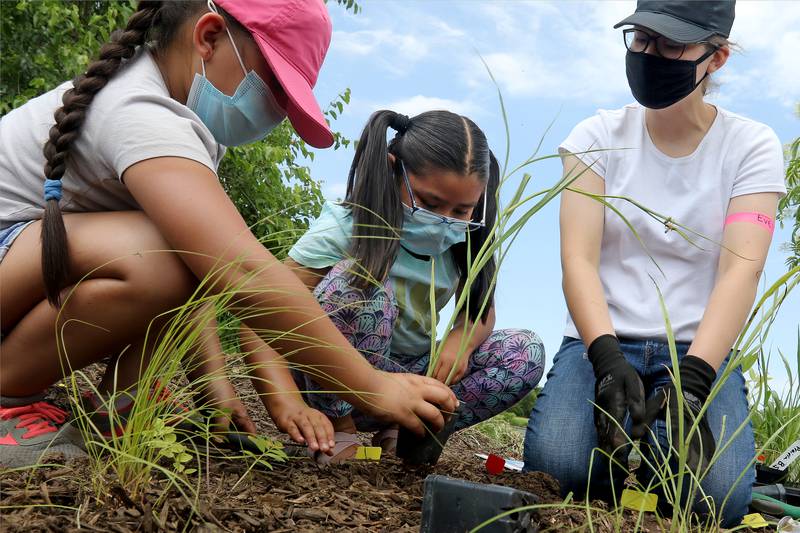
column 715, row 172
column 130, row 160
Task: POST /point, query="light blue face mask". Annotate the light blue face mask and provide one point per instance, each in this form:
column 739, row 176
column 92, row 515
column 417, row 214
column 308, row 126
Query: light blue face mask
column 247, row 116
column 426, row 237
column 428, row 233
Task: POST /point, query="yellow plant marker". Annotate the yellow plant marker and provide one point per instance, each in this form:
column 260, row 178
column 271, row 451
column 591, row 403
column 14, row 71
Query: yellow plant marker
column 639, row 501
column 754, row 520
column 368, row 453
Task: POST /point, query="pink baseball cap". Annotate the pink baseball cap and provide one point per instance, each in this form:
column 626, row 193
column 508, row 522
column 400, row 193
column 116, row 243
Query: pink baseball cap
column 293, row 36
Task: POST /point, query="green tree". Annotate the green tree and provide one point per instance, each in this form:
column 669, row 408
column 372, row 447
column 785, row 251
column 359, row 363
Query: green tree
column 276, row 196
column 45, row 42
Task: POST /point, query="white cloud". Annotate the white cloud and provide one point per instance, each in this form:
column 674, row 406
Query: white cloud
column 419, row 103
column 396, row 50
column 767, row 31
column 759, row 23
column 554, row 50
column 785, row 69
column 380, row 46
column 565, row 51
column 767, row 67
column 568, row 50
column 368, row 42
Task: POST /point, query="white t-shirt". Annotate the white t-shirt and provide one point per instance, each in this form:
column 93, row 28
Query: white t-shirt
column 737, row 156
column 131, row 119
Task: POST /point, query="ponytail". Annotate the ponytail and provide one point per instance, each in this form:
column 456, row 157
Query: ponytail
column 373, row 196
column 69, row 119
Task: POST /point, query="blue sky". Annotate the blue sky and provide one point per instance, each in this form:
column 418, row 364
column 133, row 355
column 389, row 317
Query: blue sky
column 553, row 61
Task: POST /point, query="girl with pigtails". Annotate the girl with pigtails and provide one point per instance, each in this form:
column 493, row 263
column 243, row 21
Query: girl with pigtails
column 128, row 172
column 369, row 260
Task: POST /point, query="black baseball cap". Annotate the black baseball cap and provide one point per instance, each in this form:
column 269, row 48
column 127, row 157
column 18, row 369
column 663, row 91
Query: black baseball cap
column 684, row 21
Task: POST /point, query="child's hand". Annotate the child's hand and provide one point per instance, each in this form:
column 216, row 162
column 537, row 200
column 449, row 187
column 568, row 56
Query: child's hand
column 303, row 424
column 448, row 359
column 410, row 400
column 234, row 413
column 220, row 396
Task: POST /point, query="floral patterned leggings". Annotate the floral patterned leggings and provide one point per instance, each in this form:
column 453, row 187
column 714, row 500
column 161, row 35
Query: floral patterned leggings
column 507, row 366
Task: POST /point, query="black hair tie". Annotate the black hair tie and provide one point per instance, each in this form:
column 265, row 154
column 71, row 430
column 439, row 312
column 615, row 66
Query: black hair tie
column 400, row 123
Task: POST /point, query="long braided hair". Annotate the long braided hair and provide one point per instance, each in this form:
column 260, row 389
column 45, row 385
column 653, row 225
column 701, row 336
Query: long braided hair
column 154, row 20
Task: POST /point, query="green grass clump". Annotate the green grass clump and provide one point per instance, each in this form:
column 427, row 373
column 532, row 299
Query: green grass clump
column 776, row 415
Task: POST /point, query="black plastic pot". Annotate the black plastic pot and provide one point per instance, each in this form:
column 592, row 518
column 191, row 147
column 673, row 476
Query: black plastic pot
column 416, row 450
column 767, row 476
column 453, row 506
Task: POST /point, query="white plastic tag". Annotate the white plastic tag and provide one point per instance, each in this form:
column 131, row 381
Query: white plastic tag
column 787, row 457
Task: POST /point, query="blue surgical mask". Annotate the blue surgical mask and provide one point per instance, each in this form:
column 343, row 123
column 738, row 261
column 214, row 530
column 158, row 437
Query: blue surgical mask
column 425, row 237
column 247, row 116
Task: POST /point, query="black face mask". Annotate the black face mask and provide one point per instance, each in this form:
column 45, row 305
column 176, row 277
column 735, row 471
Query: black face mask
column 657, row 82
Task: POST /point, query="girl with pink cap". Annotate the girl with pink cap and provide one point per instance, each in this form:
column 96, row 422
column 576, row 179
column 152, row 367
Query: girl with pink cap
column 128, row 167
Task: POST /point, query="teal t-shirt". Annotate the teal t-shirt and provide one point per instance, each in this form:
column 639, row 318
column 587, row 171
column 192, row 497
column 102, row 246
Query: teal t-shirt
column 328, row 241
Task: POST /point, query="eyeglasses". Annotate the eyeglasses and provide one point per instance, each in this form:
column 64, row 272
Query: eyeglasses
column 429, row 217
column 637, row 42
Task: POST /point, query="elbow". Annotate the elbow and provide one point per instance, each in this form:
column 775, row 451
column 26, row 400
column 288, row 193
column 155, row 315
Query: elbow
column 576, row 267
column 743, row 281
column 743, row 275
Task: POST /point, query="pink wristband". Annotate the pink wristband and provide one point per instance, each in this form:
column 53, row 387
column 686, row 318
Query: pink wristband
column 753, row 218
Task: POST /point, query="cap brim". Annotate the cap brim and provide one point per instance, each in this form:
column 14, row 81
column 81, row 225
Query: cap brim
column 670, row 27
column 303, row 110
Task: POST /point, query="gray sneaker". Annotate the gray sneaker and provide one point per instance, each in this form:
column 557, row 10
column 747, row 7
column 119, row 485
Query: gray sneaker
column 32, row 430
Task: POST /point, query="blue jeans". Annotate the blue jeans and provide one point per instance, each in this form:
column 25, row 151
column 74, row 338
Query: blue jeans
column 561, row 436
column 9, row 234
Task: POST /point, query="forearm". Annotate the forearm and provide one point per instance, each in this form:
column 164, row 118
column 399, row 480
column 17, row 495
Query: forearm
column 206, row 365
column 178, row 195
column 296, row 327
column 586, row 299
column 726, row 312
column 742, row 258
column 269, row 371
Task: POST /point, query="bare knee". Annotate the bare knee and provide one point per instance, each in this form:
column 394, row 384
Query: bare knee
column 121, row 246
column 153, row 272
column 159, row 280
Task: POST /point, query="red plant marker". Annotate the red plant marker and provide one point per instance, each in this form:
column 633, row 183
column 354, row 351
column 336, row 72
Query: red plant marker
column 495, row 464
column 761, row 458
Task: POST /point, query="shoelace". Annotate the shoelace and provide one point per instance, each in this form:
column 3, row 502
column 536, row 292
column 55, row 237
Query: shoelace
column 38, row 418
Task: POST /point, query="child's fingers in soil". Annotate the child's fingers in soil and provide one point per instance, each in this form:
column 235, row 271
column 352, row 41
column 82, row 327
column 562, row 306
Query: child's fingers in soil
column 294, row 433
column 244, row 423
column 309, row 434
column 323, row 429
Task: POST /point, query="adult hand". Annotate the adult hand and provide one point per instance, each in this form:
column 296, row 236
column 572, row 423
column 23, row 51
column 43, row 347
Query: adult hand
column 696, row 377
column 618, row 389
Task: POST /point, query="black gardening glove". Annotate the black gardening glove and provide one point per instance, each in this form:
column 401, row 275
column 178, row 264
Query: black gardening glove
column 618, row 389
column 697, row 376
